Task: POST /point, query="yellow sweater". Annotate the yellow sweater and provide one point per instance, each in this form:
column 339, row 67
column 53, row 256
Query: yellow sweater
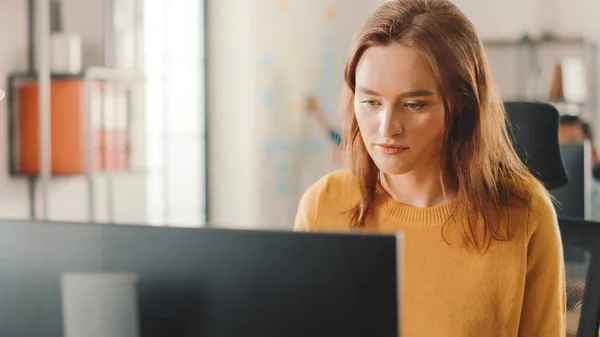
column 515, row 289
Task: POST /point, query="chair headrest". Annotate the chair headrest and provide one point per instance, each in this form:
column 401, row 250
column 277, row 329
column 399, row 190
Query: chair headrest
column 534, row 131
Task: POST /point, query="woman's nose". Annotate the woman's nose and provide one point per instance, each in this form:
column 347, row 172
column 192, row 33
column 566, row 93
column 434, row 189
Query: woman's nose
column 389, row 123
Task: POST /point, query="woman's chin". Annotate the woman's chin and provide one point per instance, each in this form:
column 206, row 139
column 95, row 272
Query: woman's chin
column 393, row 166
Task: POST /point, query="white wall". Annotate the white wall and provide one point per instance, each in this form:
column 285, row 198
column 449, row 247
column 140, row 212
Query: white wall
column 231, row 122
column 512, row 18
column 174, row 59
column 500, row 19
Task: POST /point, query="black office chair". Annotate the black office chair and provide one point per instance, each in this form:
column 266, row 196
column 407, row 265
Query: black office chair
column 583, row 300
column 534, row 130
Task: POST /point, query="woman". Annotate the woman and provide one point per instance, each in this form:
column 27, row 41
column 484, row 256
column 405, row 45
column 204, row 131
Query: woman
column 429, row 155
column 314, row 108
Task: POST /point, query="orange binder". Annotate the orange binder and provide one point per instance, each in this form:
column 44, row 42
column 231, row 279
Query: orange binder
column 67, row 151
column 68, row 130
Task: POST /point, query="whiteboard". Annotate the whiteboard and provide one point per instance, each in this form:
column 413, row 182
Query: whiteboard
column 301, row 49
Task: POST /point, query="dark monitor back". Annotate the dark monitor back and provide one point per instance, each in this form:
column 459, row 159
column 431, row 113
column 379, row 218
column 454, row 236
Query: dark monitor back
column 571, row 200
column 201, row 282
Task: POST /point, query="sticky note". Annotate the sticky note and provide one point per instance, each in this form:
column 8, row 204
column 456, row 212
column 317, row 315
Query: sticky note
column 282, row 168
column 330, row 13
column 268, row 61
column 270, row 148
column 284, row 5
column 285, row 147
column 297, row 51
column 324, row 91
column 316, row 147
column 282, row 188
column 269, row 97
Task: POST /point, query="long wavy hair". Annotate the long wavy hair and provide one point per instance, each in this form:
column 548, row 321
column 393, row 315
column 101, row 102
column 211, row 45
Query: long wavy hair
column 479, row 165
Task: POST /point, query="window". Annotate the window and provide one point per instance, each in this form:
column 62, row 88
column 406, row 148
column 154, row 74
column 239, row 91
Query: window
column 173, row 59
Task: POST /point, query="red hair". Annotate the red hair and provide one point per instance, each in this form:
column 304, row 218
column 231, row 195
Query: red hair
column 479, row 165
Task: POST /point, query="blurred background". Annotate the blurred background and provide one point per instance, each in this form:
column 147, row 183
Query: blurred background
column 191, row 112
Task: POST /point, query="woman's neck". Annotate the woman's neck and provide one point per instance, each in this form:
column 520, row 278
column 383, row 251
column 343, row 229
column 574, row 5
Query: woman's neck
column 414, row 189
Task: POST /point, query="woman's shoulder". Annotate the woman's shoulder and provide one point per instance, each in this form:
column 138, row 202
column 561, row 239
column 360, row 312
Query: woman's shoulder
column 334, row 193
column 338, row 187
column 540, row 210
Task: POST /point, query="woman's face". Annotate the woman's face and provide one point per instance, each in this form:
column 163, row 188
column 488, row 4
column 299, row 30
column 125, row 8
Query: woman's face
column 399, row 112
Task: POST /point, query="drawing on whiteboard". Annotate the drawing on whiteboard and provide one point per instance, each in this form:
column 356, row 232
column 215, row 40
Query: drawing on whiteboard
column 293, row 64
column 294, row 60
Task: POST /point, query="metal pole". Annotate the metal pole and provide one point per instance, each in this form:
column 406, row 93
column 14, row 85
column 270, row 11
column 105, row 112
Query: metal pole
column 31, row 36
column 165, row 116
column 115, row 87
column 109, row 62
column 205, row 159
column 43, row 58
column 104, row 92
column 109, row 33
column 87, row 137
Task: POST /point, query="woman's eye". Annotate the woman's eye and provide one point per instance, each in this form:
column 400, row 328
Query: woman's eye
column 416, row 105
column 369, row 102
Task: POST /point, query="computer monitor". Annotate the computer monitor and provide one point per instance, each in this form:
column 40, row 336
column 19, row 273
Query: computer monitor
column 574, row 199
column 207, row 282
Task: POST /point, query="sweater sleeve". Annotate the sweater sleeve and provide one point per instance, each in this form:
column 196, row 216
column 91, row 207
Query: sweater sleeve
column 544, row 304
